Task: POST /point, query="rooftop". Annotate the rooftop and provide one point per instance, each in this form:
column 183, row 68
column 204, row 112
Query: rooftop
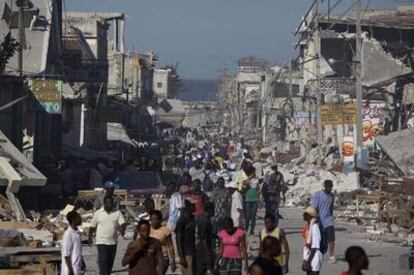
column 402, row 17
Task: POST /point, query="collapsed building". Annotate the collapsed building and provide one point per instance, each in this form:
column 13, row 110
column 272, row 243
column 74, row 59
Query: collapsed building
column 387, row 68
column 380, row 198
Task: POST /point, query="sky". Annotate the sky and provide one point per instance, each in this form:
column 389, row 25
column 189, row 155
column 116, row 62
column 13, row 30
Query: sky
column 205, row 36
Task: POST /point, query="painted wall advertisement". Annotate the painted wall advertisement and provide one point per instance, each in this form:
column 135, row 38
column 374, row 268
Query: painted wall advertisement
column 48, row 93
column 372, row 124
column 348, row 150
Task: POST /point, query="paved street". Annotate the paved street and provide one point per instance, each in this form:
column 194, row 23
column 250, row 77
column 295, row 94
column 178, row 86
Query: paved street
column 384, row 258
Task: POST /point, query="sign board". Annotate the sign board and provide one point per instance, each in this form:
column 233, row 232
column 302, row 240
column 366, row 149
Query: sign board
column 336, row 114
column 48, row 93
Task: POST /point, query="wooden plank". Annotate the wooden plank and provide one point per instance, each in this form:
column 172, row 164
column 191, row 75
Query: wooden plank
column 19, row 260
column 17, row 225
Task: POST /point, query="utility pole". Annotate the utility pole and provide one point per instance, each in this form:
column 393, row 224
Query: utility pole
column 20, row 4
column 318, row 75
column 259, row 102
column 358, row 71
column 291, row 89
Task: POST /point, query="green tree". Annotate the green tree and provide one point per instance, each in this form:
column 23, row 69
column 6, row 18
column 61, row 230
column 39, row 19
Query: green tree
column 7, row 49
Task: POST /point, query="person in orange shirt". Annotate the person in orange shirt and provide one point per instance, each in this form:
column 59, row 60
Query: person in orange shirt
column 357, row 260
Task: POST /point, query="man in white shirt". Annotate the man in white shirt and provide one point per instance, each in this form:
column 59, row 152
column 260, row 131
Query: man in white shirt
column 312, row 255
column 72, row 261
column 175, row 205
column 236, row 210
column 107, row 223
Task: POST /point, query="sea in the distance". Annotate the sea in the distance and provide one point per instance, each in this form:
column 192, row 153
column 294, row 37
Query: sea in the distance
column 198, row 90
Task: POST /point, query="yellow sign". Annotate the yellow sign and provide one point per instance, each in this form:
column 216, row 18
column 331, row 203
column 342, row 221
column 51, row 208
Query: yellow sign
column 336, row 114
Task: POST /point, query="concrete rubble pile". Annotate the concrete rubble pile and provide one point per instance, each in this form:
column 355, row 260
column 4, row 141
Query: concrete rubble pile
column 37, row 231
column 381, row 206
column 304, row 181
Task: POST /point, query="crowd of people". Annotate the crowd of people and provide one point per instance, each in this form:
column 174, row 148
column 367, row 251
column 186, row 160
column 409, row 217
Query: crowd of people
column 212, row 209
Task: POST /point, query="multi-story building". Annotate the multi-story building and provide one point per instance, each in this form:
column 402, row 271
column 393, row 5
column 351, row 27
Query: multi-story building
column 162, row 83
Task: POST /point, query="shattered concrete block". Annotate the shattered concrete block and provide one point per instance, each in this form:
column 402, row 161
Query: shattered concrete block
column 11, row 238
column 33, row 234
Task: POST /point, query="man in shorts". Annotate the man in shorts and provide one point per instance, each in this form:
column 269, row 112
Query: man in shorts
column 323, row 201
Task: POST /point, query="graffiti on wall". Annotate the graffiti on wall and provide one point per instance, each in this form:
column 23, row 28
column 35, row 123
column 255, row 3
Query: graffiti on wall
column 373, row 123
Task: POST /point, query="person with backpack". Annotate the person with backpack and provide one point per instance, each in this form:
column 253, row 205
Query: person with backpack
column 271, row 190
column 312, row 239
column 323, row 201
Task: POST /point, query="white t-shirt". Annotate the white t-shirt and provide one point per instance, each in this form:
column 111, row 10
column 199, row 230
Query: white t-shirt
column 196, row 173
column 107, row 225
column 72, row 246
column 314, row 239
column 176, row 204
column 236, row 203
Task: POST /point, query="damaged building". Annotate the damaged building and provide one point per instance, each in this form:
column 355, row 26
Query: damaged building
column 387, row 68
column 29, row 120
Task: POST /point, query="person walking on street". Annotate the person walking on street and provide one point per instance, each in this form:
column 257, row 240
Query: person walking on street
column 233, row 251
column 109, row 192
column 252, row 195
column 197, row 197
column 204, row 247
column 221, row 200
column 163, row 234
column 271, row 190
column 106, row 222
column 72, row 260
column 357, row 259
column 266, row 264
column 272, row 230
column 186, row 238
column 175, row 205
column 149, row 206
column 143, row 255
column 236, row 209
column 324, row 201
column 312, row 256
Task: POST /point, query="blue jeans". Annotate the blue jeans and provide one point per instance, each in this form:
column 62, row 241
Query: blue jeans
column 251, row 211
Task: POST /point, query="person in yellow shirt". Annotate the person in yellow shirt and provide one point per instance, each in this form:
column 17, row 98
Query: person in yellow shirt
column 272, row 230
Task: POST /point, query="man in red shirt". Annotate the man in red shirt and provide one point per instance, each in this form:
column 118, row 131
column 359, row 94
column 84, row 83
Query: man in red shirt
column 197, row 197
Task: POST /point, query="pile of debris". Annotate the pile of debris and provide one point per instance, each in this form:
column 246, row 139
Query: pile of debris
column 303, row 181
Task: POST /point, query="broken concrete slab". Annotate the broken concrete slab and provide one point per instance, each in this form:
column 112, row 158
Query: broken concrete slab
column 11, row 238
column 32, row 234
column 17, row 225
column 395, row 147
